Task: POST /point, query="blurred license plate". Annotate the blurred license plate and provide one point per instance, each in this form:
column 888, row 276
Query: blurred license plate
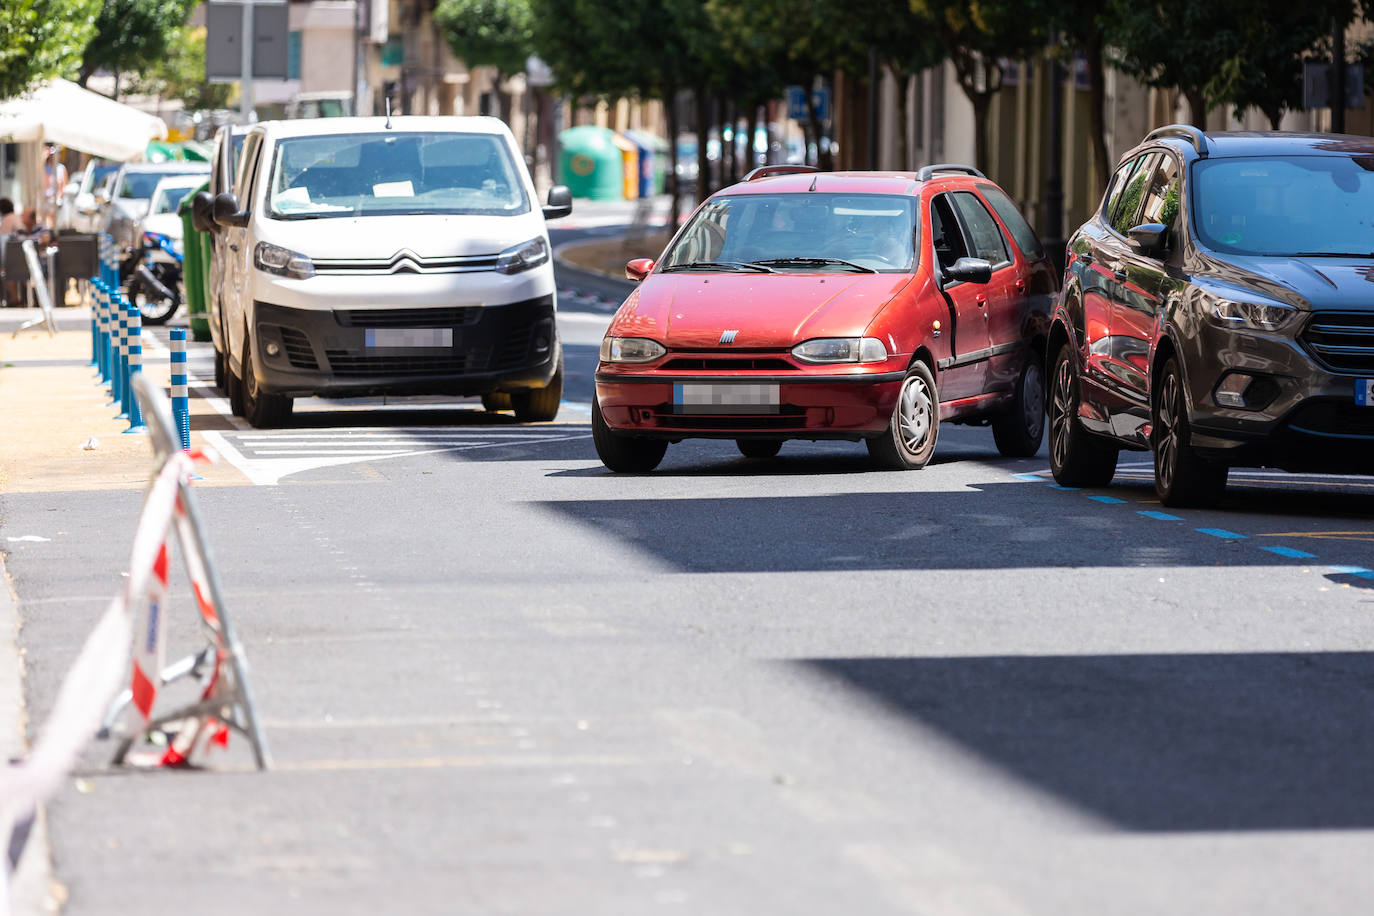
column 725, row 399
column 410, row 337
column 1364, row 392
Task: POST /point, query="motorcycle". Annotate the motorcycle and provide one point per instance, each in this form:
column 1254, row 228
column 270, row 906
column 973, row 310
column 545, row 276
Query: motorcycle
column 152, row 275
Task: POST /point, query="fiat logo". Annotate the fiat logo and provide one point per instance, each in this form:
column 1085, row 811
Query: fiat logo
column 728, row 337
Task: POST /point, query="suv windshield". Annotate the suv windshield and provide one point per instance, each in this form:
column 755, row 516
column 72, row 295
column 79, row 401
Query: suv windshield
column 1311, row 206
column 394, row 173
column 801, row 232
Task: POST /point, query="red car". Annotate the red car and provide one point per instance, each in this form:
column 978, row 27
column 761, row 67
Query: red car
column 800, row 304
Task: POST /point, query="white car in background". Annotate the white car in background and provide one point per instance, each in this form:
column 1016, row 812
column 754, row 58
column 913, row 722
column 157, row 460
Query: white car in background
column 162, row 218
column 403, row 255
column 129, row 190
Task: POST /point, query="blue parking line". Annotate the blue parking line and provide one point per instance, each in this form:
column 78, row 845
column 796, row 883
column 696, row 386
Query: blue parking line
column 1055, row 486
column 1290, row 553
column 1221, row 533
column 1159, row 516
column 1109, row 500
column 1035, row 477
column 1353, row 571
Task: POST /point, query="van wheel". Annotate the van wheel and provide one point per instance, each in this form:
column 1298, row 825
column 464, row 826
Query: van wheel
column 621, row 453
column 540, row 405
column 1019, row 429
column 220, row 381
column 261, row 409
column 909, row 440
column 1182, row 478
column 235, row 392
column 496, row 400
column 759, row 448
column 1077, row 459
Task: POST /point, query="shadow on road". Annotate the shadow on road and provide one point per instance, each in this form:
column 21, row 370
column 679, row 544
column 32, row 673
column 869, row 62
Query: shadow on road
column 1153, row 743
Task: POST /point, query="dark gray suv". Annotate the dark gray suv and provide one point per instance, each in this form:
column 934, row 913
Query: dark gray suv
column 1218, row 310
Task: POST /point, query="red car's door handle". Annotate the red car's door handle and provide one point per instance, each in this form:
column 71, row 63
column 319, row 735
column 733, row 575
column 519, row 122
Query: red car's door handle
column 1020, row 286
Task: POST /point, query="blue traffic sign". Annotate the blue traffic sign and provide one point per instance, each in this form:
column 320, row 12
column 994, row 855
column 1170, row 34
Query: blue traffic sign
column 796, row 103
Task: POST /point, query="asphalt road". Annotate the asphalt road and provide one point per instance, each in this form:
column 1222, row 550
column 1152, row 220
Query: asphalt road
column 497, row 679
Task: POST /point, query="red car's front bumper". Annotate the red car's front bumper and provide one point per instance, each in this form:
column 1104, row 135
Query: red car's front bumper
column 811, row 406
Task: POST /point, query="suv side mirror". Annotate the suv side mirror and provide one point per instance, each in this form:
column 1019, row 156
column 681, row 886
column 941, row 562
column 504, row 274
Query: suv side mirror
column 226, row 211
column 1149, row 239
column 639, row 268
column 560, row 202
column 969, row 270
column 203, row 212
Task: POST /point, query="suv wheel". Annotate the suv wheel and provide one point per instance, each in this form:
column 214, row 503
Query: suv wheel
column 909, row 440
column 1182, row 478
column 621, row 453
column 1019, row 429
column 1077, row 459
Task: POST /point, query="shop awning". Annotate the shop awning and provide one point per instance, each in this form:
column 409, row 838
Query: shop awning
column 63, row 113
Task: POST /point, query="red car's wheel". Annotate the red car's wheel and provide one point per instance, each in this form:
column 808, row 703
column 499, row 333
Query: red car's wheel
column 621, row 453
column 909, row 440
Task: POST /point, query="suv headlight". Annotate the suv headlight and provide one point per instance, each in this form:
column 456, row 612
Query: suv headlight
column 630, row 350
column 1257, row 316
column 841, row 350
column 523, row 256
column 283, row 262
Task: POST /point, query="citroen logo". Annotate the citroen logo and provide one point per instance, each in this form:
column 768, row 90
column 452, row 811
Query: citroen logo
column 728, row 337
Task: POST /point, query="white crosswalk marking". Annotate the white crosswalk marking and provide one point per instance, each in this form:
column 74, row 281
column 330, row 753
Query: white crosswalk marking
column 266, row 457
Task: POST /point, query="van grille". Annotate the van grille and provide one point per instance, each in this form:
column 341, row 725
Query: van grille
column 408, row 318
column 298, row 350
column 1343, row 341
column 346, row 365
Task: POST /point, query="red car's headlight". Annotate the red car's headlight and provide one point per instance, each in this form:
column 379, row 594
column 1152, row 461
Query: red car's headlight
column 841, row 350
column 630, row 350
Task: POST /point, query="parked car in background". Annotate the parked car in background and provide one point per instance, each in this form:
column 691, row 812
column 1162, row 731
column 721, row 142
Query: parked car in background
column 402, row 255
column 1217, row 312
column 866, row 306
column 128, row 191
column 321, row 105
column 81, row 211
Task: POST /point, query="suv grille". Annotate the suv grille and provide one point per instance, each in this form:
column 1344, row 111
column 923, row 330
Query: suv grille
column 1333, row 418
column 1343, row 341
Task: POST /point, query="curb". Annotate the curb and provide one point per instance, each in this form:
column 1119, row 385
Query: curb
column 31, row 882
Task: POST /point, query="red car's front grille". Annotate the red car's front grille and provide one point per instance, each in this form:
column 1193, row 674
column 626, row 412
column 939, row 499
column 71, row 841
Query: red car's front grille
column 787, row 417
column 736, row 363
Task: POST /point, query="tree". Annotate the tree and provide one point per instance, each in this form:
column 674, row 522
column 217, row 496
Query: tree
column 133, row 34
column 1085, row 26
column 40, row 39
column 906, row 44
column 978, row 36
column 181, row 74
column 489, row 33
column 1179, row 43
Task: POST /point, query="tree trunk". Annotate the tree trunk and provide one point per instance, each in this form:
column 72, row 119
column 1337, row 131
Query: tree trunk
column 903, row 120
column 823, row 158
column 671, row 182
column 1197, row 108
column 982, row 106
column 728, row 156
column 703, row 128
column 1097, row 101
column 751, row 127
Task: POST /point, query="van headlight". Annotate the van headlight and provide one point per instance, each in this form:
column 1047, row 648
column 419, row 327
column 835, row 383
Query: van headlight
column 841, row 350
column 523, row 256
column 283, row 262
column 630, row 350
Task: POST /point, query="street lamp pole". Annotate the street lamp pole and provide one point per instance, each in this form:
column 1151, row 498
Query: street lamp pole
column 1054, row 174
column 246, row 61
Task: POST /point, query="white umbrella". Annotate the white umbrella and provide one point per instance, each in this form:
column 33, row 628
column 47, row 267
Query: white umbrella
column 63, row 113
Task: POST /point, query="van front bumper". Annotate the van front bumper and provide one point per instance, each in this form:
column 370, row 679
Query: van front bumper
column 467, row 350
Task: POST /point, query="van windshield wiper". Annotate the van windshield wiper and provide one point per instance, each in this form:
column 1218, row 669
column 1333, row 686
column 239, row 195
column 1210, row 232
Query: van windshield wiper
column 814, row 262
column 718, row 265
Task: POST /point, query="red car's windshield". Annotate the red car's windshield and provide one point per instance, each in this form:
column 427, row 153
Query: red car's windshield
column 802, row 231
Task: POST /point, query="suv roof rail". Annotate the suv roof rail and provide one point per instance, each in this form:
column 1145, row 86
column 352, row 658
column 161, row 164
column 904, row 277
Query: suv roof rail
column 1187, row 131
column 928, row 172
column 767, row 171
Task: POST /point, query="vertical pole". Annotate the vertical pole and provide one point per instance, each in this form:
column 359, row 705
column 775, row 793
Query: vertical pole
column 1338, row 71
column 135, row 366
column 106, row 372
column 246, row 65
column 1054, row 171
column 181, row 403
column 95, row 327
column 121, row 392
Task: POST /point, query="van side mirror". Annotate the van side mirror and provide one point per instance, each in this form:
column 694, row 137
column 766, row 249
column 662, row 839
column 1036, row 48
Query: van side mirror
column 203, row 212
column 560, row 202
column 226, row 211
column 1149, row 239
column 969, row 270
column 639, row 268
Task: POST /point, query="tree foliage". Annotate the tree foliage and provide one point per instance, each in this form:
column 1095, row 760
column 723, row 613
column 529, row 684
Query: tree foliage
column 40, row 39
column 180, row 74
column 133, row 34
column 488, row 33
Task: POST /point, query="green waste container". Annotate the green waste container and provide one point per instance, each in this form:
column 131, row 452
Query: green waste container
column 195, row 268
column 591, row 163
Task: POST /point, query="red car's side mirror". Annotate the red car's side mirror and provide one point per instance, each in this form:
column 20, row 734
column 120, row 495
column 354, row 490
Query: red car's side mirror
column 639, row 268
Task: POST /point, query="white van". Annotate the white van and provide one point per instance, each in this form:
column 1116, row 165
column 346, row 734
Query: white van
column 402, row 255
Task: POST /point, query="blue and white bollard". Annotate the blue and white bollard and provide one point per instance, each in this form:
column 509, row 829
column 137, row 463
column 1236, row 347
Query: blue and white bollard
column 102, row 317
column 135, row 367
column 95, row 327
column 181, row 396
column 121, row 385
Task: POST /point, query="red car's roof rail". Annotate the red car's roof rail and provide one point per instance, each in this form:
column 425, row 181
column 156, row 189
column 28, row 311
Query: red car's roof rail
column 928, row 172
column 767, row 171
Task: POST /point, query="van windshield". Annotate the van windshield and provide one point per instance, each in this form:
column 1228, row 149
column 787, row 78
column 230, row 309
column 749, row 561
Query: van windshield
column 392, row 174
